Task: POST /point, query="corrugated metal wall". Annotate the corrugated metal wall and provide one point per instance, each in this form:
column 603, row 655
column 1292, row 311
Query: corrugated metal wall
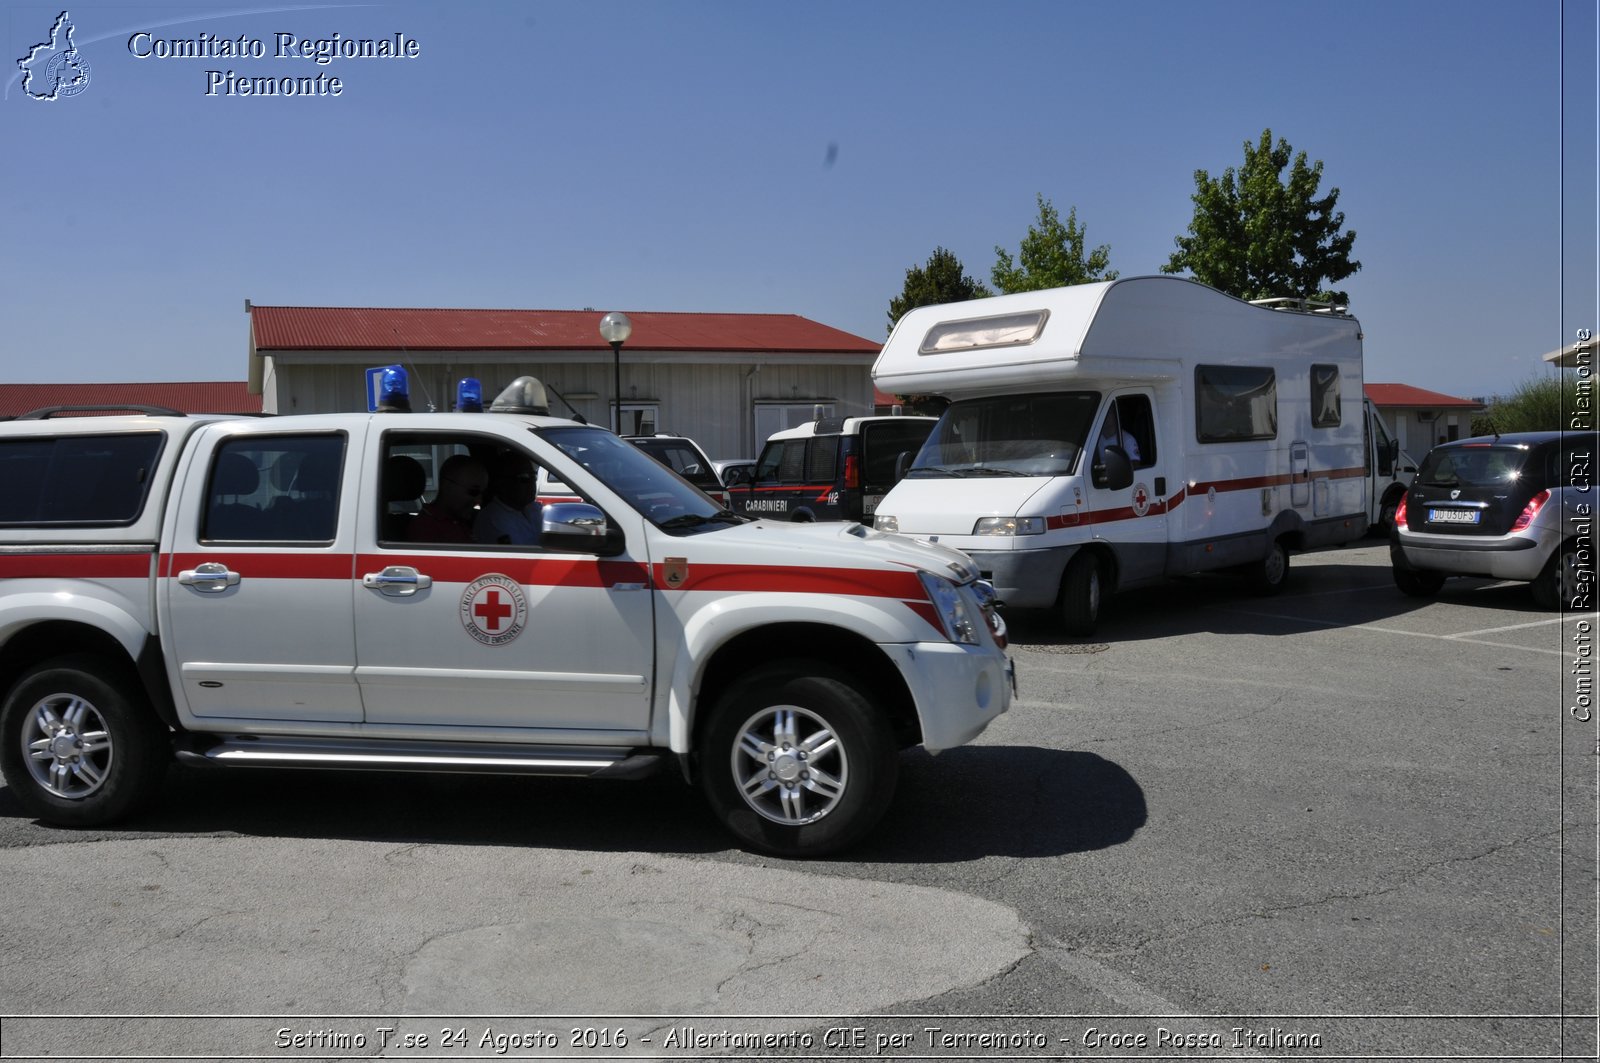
column 708, row 401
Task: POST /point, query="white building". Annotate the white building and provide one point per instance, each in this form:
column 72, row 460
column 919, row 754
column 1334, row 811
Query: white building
column 728, row 380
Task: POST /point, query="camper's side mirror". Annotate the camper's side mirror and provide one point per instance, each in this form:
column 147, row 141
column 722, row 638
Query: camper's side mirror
column 1113, row 472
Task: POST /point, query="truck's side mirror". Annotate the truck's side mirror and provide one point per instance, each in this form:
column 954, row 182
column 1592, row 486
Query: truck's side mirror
column 580, row 528
column 1113, row 472
column 902, row 465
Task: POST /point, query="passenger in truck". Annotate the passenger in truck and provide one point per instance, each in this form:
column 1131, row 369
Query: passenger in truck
column 511, row 516
column 448, row 518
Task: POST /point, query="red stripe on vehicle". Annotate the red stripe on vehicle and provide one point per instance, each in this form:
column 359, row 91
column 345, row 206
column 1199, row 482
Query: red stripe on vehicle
column 871, row 583
column 119, row 565
column 268, row 565
column 529, row 571
column 1249, row 483
column 926, row 610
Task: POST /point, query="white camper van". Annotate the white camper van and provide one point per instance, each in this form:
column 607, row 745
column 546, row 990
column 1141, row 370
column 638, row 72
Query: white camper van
column 1109, row 435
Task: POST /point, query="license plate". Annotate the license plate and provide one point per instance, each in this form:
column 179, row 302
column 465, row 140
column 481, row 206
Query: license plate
column 869, row 504
column 1453, row 516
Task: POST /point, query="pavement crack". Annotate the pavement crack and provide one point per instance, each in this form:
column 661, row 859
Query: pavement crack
column 1331, row 898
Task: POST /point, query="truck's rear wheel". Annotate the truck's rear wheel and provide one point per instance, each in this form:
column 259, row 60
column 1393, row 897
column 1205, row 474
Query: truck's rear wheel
column 796, row 761
column 1081, row 591
column 79, row 745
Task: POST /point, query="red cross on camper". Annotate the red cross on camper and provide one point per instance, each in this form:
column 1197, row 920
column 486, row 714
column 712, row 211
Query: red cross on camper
column 1141, row 500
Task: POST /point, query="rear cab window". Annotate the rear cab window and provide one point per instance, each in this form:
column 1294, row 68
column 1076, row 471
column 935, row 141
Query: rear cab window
column 77, row 480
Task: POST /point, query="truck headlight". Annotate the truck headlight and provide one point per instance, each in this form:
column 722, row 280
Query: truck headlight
column 884, row 522
column 960, row 625
column 1009, row 526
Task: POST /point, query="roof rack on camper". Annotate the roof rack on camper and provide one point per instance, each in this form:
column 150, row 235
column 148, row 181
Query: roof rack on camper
column 1302, row 304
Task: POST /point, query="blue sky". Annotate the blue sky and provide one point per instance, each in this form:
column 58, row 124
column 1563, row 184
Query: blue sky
column 794, row 158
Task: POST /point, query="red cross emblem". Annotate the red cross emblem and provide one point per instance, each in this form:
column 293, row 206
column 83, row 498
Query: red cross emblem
column 1141, row 500
column 493, row 609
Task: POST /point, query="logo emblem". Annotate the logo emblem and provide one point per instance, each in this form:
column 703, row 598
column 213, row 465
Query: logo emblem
column 1455, row 494
column 675, row 570
column 493, row 609
column 1141, row 500
column 55, row 69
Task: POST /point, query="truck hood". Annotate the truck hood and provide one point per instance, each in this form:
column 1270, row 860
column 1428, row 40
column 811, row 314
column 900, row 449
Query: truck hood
column 927, row 506
column 828, row 544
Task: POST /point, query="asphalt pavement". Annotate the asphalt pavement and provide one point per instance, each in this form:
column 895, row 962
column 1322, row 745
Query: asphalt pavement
column 1336, row 822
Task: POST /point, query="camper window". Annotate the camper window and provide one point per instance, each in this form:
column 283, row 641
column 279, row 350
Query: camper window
column 1128, row 424
column 1325, row 410
column 1234, row 403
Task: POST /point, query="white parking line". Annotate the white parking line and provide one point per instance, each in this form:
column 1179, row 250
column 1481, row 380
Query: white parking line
column 1466, row 637
column 1518, row 627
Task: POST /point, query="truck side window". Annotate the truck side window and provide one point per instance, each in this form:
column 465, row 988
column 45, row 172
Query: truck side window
column 274, row 489
column 87, row 479
column 822, row 463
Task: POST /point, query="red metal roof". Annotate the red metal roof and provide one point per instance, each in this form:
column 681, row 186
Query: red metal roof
column 1406, row 395
column 207, row 397
column 317, row 328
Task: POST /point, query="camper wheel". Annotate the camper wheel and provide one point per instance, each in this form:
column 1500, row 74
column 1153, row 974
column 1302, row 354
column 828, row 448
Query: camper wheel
column 1272, row 572
column 1081, row 590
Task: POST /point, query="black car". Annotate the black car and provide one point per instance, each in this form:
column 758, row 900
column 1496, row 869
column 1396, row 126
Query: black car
column 683, row 456
column 1512, row 507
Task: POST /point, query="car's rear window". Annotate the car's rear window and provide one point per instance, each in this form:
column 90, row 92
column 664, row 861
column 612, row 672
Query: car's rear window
column 1481, row 466
column 77, row 480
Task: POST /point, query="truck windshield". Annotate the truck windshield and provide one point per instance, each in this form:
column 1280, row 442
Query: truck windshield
column 1010, row 435
column 663, row 497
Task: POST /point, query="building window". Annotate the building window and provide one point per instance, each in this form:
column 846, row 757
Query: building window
column 777, row 416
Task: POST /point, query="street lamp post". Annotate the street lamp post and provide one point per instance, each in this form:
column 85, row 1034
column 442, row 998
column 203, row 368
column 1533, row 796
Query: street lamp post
column 615, row 328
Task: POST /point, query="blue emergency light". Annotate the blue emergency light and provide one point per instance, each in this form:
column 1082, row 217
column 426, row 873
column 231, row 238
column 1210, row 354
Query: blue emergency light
column 469, row 395
column 394, row 391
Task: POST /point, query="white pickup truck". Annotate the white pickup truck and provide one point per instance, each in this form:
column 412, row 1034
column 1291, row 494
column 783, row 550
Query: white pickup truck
column 278, row 592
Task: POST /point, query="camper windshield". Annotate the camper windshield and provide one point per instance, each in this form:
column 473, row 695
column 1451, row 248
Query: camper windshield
column 1012, row 435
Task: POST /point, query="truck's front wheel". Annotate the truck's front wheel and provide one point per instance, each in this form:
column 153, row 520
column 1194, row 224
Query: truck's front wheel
column 78, row 743
column 794, row 760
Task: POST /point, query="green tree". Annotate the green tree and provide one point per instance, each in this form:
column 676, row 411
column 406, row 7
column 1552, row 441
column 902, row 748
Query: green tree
column 1051, row 256
column 1539, row 404
column 1256, row 235
column 942, row 280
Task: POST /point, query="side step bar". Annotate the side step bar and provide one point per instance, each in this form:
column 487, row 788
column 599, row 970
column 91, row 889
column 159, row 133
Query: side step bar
column 479, row 758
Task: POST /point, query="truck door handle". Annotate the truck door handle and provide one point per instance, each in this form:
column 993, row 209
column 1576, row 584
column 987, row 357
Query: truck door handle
column 397, row 581
column 213, row 576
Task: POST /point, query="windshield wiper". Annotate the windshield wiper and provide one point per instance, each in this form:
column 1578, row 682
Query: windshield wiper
column 965, row 471
column 695, row 520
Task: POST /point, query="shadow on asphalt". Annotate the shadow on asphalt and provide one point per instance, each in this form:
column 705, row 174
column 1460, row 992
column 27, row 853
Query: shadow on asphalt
column 963, row 804
column 1223, row 604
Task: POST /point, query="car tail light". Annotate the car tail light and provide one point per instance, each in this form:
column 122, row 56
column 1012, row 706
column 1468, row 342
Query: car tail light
column 1531, row 510
column 1400, row 513
column 852, row 471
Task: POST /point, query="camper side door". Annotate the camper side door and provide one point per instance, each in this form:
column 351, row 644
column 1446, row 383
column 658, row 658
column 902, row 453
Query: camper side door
column 1131, row 518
